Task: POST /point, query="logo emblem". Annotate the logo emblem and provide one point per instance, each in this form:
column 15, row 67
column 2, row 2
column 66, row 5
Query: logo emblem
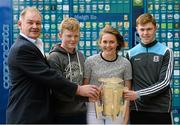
column 156, row 59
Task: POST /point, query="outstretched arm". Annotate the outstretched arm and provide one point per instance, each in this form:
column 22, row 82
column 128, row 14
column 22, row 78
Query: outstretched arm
column 162, row 84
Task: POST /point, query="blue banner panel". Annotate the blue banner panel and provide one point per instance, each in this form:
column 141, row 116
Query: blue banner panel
column 5, row 42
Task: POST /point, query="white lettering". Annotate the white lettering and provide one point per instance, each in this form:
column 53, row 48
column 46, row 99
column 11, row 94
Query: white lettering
column 5, row 44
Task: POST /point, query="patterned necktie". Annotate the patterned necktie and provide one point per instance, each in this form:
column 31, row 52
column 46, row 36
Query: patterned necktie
column 39, row 44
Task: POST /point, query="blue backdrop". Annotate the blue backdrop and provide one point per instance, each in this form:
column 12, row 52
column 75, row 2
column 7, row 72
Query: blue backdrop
column 5, row 42
column 93, row 15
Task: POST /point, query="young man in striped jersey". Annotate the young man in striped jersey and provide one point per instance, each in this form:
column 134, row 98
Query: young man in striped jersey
column 152, row 65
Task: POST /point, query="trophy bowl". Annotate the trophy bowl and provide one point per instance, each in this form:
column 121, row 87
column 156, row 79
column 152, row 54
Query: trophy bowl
column 111, row 102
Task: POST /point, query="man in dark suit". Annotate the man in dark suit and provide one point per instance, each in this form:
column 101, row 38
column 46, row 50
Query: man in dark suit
column 31, row 77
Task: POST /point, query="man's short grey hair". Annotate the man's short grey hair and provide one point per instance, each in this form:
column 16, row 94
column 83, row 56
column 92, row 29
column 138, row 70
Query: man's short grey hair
column 32, row 8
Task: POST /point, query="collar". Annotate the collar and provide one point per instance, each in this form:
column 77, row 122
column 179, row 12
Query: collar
column 108, row 60
column 150, row 44
column 30, row 39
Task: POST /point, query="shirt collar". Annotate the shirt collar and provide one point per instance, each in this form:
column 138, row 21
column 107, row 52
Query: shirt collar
column 150, row 44
column 30, row 39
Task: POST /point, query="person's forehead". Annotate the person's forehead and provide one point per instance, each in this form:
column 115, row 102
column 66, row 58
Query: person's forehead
column 108, row 36
column 71, row 31
column 32, row 14
column 147, row 25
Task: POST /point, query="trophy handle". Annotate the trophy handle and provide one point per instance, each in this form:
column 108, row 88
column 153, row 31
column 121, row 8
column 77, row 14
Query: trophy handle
column 123, row 110
column 98, row 109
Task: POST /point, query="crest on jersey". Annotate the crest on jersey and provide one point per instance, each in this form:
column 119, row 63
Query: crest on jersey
column 156, row 59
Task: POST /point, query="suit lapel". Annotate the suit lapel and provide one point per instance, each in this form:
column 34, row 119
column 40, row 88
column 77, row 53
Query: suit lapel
column 33, row 46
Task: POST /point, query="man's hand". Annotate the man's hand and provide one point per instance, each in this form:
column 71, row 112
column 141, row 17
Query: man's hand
column 130, row 95
column 91, row 91
column 93, row 99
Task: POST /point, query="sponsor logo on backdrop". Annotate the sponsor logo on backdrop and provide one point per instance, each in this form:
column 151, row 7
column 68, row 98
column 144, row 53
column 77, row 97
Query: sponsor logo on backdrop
column 5, row 44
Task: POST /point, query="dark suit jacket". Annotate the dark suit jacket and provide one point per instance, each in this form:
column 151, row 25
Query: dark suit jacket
column 31, row 80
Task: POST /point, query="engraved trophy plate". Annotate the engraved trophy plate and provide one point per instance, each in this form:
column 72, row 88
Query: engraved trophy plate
column 111, row 101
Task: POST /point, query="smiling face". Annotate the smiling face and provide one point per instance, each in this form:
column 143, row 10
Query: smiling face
column 30, row 24
column 146, row 27
column 108, row 44
column 147, row 32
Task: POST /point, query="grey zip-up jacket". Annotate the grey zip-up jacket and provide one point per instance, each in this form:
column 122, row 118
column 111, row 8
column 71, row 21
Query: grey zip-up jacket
column 70, row 66
column 152, row 70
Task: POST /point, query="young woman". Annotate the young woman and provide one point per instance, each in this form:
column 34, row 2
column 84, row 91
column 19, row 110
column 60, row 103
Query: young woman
column 107, row 64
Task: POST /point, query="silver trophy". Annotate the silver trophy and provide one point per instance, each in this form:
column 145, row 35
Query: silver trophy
column 111, row 102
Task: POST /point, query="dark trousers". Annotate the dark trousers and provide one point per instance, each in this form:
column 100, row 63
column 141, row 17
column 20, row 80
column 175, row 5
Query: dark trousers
column 76, row 119
column 139, row 117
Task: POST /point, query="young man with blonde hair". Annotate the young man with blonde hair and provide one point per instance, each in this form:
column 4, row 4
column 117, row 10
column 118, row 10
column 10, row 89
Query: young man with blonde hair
column 69, row 63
